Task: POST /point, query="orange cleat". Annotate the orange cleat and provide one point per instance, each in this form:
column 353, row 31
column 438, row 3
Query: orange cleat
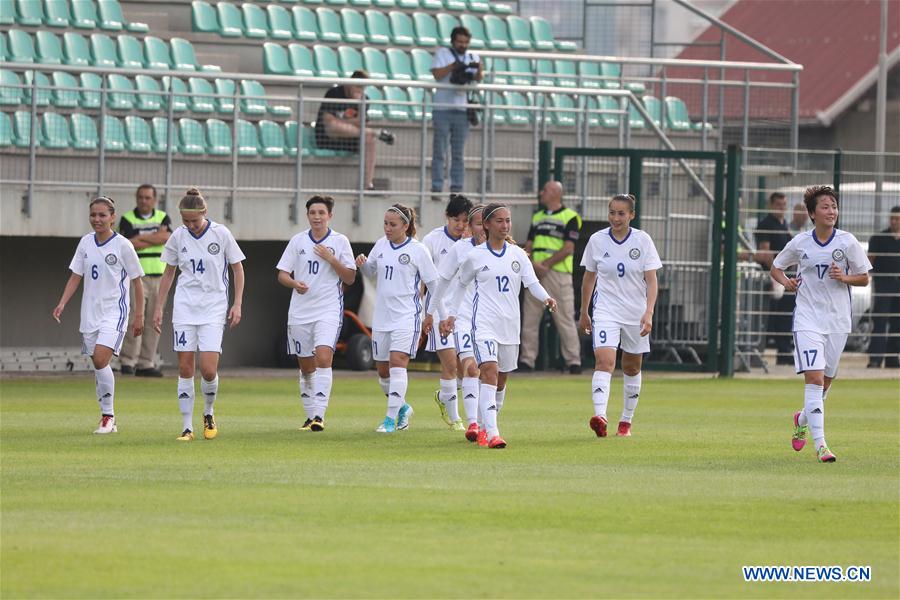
column 482, row 438
column 624, row 429
column 472, row 432
column 598, row 424
column 497, row 442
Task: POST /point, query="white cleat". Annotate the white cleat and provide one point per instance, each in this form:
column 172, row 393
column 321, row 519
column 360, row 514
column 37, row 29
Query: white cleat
column 107, row 425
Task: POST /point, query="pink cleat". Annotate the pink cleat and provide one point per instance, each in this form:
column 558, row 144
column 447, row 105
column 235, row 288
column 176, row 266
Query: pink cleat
column 624, row 429
column 472, row 432
column 598, row 424
column 482, row 438
column 798, row 439
column 497, row 442
column 824, row 455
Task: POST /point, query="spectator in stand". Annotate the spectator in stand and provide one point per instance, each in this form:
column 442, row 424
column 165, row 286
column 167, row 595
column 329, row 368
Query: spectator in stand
column 772, row 236
column 800, row 221
column 884, row 254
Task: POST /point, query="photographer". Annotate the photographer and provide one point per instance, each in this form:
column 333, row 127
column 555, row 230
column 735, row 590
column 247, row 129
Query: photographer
column 456, row 65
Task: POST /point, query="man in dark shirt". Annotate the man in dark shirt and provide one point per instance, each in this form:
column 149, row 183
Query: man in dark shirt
column 884, row 254
column 772, row 235
column 338, row 125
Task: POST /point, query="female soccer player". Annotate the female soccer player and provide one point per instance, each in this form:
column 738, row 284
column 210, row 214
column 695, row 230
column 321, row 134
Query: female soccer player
column 202, row 251
column 401, row 265
column 828, row 261
column 316, row 264
column 499, row 268
column 620, row 281
column 440, row 242
column 111, row 261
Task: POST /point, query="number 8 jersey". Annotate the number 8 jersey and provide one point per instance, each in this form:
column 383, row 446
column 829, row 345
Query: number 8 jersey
column 201, row 293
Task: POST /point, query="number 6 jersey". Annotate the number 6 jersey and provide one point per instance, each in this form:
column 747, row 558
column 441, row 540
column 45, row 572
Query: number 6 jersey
column 201, row 293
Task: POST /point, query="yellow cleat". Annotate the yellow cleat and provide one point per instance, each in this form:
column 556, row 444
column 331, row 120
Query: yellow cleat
column 306, row 425
column 209, row 427
column 317, row 424
column 186, row 436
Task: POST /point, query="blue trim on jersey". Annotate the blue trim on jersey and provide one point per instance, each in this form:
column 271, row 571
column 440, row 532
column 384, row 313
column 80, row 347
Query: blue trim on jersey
column 123, row 301
column 197, row 237
column 393, row 247
column 98, row 244
column 337, row 336
column 502, row 252
column 625, row 239
column 816, row 240
column 447, row 233
column 797, row 350
column 315, row 241
column 474, row 310
column 227, row 290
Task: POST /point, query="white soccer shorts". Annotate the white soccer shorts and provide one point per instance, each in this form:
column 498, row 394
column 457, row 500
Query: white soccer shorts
column 464, row 347
column 303, row 339
column 102, row 337
column 505, row 355
column 198, row 338
column 607, row 334
column 818, row 351
column 436, row 342
column 385, row 342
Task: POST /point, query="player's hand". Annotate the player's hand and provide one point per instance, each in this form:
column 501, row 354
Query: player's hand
column 427, row 323
column 361, row 260
column 585, row 323
column 791, row 284
column 324, row 253
column 157, row 321
column 447, row 325
column 57, row 312
column 646, row 324
column 835, row 272
column 551, row 304
column 301, row 287
column 234, row 315
column 137, row 328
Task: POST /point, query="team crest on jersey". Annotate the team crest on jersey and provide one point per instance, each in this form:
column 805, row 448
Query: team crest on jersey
column 213, row 248
column 838, row 254
column 634, row 253
column 516, row 267
column 111, row 259
column 404, row 259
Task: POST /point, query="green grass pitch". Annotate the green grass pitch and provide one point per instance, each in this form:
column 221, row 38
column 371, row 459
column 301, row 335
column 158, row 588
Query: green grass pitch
column 707, row 484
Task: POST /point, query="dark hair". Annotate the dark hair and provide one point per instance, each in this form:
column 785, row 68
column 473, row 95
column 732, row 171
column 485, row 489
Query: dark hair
column 489, row 211
column 104, row 200
column 813, row 193
column 408, row 215
column 328, row 201
column 776, row 196
column 459, row 30
column 193, row 201
column 895, row 210
column 360, row 74
column 145, row 186
column 629, row 198
column 458, row 205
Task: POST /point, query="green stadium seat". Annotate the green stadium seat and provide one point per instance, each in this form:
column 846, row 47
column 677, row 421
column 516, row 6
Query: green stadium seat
column 275, row 59
column 160, row 130
column 183, row 57
column 281, row 25
column 111, row 13
column 57, row 13
column 113, row 134
column 179, row 90
column 230, row 22
column 635, row 120
column 218, row 138
column 612, row 76
column 302, row 63
column 541, row 35
column 589, row 75
column 22, row 129
column 497, row 110
column 271, row 139
column 520, row 71
column 566, row 73
column 336, row 2
column 157, row 55
column 519, row 33
column 516, row 113
column 421, row 61
column 563, row 118
column 494, row 70
column 408, row 4
column 131, row 52
column 375, row 108
column 44, row 93
column 350, row 60
column 290, row 139
column 379, row 27
column 224, row 95
column 384, row 3
column 416, row 95
column 329, row 25
column 6, row 131
column 255, row 23
column 501, row 9
column 306, row 25
column 396, row 112
column 137, row 135
column 103, row 50
column 76, row 50
column 7, row 12
column 84, row 14
column 248, row 139
column 361, row 3
column 202, row 95
column 354, row 26
column 546, row 72
column 478, row 6
column 4, row 48
column 376, row 63
column 311, row 1
column 426, row 29
column 64, row 98
column 55, row 132
column 191, row 139
column 431, row 4
column 457, row 5
column 203, row 17
column 476, row 28
column 90, row 84
column 21, row 46
column 399, row 64
column 10, row 95
column 326, row 61
column 654, row 109
column 121, row 93
column 446, row 24
column 84, row 133
column 146, row 98
column 29, row 13
column 401, row 27
column 604, row 105
column 677, row 118
column 256, row 103
column 255, row 88
column 496, row 33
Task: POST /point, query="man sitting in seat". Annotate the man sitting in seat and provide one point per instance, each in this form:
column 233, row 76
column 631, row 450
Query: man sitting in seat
column 338, row 124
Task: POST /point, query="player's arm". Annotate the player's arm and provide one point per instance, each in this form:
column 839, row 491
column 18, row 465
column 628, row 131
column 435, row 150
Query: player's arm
column 137, row 326
column 165, row 283
column 534, row 287
column 652, row 293
column 588, row 281
column 835, row 272
column 764, row 255
column 285, row 279
column 368, row 266
column 68, row 292
column 346, row 274
column 234, row 315
column 790, row 283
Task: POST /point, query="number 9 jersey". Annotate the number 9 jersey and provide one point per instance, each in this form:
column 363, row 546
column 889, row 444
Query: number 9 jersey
column 201, row 293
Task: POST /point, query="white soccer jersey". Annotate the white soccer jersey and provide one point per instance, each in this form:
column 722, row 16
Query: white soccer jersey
column 823, row 304
column 107, row 270
column 324, row 301
column 498, row 277
column 620, row 295
column 400, row 271
column 448, row 269
column 439, row 244
column 201, row 293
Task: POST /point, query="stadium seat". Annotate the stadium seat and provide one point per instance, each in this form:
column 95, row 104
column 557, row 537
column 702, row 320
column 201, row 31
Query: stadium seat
column 458, row 5
column 375, row 109
column 257, row 99
column 7, row 12
column 121, row 93
column 431, row 4
column 309, row 145
column 476, row 28
column 604, row 105
column 10, row 95
column 248, row 140
column 29, row 13
column 635, row 120
column 55, row 132
column 224, row 95
column 203, row 18
column 271, row 139
column 202, row 95
column 44, row 93
column 21, row 47
column 160, row 130
column 191, row 137
column 399, row 64
column 416, row 95
column 302, row 63
column 230, row 22
column 111, row 14
column 353, row 25
column 519, row 33
column 84, row 14
column 22, row 128
column 218, row 137
column 326, row 61
column 329, row 25
column 497, row 110
column 520, row 71
column 290, row 139
column 179, row 90
column 677, row 115
column 350, row 60
column 378, row 27
column 495, row 69
column 275, row 59
column 376, row 63
column 566, row 73
column 515, row 112
column 496, row 34
column 146, row 98
column 156, row 53
column 612, row 74
column 90, row 84
column 84, row 133
column 361, row 3
column 396, row 112
column 542, row 37
column 446, row 24
column 478, row 6
column 421, row 61
column 137, row 135
column 306, row 26
column 103, row 50
column 280, row 22
column 336, row 2
column 546, row 72
column 501, row 9
column 76, row 50
column 563, row 118
column 255, row 24
column 183, row 57
column 654, row 109
column 113, row 134
column 589, row 75
column 61, row 97
column 401, row 27
column 131, row 53
column 408, row 4
column 57, row 13
column 311, row 1
column 426, row 29
column 6, row 131
column 4, row 48
column 384, row 3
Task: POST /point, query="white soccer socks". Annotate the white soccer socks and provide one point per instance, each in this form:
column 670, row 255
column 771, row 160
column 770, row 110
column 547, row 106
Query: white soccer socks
column 470, row 398
column 802, row 419
column 186, row 401
column 487, row 400
column 307, row 390
column 814, row 407
column 630, row 395
column 106, row 389
column 399, row 382
column 600, row 392
column 210, row 390
column 499, row 398
column 324, row 379
column 448, row 398
column 385, row 385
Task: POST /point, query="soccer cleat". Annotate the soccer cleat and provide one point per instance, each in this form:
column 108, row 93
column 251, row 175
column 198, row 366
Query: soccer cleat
column 458, row 425
column 317, row 424
column 306, row 425
column 186, row 436
column 406, row 411
column 209, row 427
column 825, row 455
column 482, row 438
column 497, row 442
column 388, row 426
column 472, row 432
column 624, row 429
column 598, row 424
column 444, row 414
column 798, row 440
column 107, row 425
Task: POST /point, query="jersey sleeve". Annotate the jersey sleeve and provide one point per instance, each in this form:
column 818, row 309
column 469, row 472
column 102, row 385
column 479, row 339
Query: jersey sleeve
column 286, row 263
column 587, row 259
column 170, row 251
column 529, row 278
column 467, row 270
column 345, row 254
column 370, row 267
column 857, row 261
column 77, row 264
column 652, row 261
column 789, row 255
column 427, row 270
column 130, row 260
column 450, row 265
column 233, row 252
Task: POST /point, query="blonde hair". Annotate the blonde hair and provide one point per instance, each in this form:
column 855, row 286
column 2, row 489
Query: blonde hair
column 193, row 201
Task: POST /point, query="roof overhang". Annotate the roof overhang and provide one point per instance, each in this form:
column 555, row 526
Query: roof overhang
column 827, row 117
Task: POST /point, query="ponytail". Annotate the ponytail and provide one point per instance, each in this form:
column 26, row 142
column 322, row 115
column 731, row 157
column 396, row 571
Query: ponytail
column 408, row 215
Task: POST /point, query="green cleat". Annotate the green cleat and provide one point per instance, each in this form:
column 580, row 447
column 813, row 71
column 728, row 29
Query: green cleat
column 458, row 425
column 444, row 414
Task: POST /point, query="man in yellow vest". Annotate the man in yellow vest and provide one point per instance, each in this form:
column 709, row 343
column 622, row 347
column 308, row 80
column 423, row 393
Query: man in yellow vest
column 147, row 228
column 551, row 244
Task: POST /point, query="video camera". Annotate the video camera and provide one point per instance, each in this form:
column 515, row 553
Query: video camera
column 464, row 73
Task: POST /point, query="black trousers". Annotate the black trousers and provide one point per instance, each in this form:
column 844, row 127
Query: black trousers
column 883, row 347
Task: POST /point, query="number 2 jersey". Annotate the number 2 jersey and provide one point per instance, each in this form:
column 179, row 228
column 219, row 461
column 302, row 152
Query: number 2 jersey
column 620, row 295
column 823, row 303
column 201, row 293
column 325, row 299
column 107, row 269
